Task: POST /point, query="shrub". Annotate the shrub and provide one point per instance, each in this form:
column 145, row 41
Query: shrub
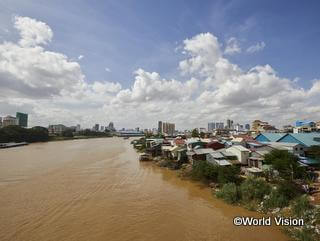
column 281, row 196
column 228, row 193
column 304, row 234
column 300, row 206
column 202, row 170
column 228, row 174
column 254, row 189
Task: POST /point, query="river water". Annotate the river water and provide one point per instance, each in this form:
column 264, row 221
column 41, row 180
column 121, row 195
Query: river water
column 96, row 189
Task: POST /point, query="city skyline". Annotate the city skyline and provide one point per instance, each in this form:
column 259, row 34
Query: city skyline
column 222, row 67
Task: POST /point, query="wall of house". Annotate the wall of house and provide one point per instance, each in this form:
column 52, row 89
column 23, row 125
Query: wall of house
column 242, row 155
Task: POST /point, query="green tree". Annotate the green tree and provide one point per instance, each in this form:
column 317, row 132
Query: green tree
column 20, row 134
column 254, row 189
column 202, row 134
column 228, row 174
column 314, row 152
column 195, row 133
column 286, row 164
column 67, row 133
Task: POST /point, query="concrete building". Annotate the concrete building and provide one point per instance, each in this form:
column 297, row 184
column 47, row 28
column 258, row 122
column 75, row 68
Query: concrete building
column 78, row 128
column 0, row 122
column 22, row 119
column 96, row 127
column 247, row 126
column 211, row 126
column 262, row 126
column 229, row 124
column 111, row 127
column 9, row 121
column 166, row 128
column 56, row 129
column 160, row 127
column 219, row 125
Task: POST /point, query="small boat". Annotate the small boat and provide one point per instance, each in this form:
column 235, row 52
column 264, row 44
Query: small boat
column 145, row 157
column 12, row 144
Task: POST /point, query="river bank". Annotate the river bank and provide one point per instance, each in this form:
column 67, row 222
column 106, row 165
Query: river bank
column 256, row 197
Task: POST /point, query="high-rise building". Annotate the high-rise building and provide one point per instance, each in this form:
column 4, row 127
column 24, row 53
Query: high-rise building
column 211, row 126
column 229, row 124
column 78, row 128
column 96, row 127
column 111, row 127
column 219, row 125
column 22, row 119
column 247, row 126
column 166, row 128
column 160, row 127
column 9, row 121
column 0, row 122
column 101, row 128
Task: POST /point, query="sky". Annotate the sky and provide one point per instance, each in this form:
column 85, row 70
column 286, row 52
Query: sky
column 137, row 62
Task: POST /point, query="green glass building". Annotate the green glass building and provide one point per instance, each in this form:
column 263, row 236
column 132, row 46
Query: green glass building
column 22, row 119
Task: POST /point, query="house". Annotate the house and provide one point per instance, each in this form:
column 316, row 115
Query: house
column 179, row 142
column 217, row 158
column 295, row 148
column 269, row 137
column 215, row 145
column 306, row 139
column 238, row 141
column 194, row 142
column 198, row 154
column 241, row 152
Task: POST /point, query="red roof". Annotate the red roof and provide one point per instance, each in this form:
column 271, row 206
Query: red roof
column 179, row 141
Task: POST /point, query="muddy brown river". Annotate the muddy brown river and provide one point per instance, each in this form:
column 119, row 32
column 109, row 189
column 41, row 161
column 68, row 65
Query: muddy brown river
column 96, row 190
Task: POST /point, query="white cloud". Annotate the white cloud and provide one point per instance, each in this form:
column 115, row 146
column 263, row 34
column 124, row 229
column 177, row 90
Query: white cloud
column 32, row 32
column 53, row 89
column 107, row 69
column 104, row 87
column 80, row 57
column 256, row 47
column 232, row 46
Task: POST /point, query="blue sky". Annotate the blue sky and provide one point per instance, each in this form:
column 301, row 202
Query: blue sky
column 117, row 38
column 126, row 35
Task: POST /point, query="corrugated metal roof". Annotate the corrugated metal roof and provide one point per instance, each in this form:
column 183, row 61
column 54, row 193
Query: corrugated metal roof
column 239, row 147
column 220, row 162
column 273, row 136
column 216, row 154
column 307, row 139
column 201, row 151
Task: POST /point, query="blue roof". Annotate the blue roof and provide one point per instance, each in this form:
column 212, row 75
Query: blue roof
column 273, row 137
column 303, row 122
column 307, row 139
